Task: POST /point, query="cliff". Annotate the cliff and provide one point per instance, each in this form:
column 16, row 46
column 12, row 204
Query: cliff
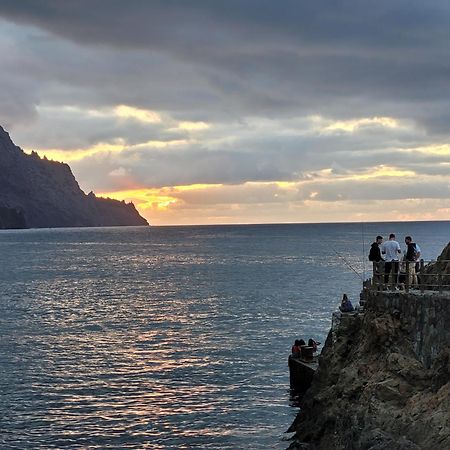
column 36, row 193
column 383, row 380
column 437, row 274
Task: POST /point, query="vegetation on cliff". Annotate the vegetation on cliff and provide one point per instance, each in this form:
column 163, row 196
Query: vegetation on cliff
column 37, row 193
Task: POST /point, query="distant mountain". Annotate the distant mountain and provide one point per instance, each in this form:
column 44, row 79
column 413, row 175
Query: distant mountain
column 38, row 193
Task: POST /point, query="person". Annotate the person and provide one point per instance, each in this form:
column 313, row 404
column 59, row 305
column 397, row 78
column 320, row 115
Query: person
column 418, row 251
column 346, row 304
column 412, row 256
column 312, row 343
column 391, row 250
column 375, row 251
column 376, row 258
column 297, row 348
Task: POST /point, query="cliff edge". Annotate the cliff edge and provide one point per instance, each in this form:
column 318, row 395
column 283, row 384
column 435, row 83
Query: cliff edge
column 37, row 193
column 383, row 380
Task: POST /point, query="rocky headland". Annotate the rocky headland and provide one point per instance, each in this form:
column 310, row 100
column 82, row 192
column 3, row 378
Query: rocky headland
column 38, row 193
column 383, row 380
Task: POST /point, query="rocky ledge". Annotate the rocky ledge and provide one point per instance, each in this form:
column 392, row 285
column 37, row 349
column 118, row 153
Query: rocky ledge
column 383, row 380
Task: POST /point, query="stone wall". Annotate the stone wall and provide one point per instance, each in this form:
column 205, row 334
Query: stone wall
column 425, row 317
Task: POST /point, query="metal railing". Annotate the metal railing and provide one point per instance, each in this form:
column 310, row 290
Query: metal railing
column 433, row 275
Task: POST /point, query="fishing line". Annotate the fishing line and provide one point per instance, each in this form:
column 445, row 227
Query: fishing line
column 348, row 264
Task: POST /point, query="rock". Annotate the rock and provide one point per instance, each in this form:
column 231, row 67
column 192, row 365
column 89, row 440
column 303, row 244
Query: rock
column 11, row 218
column 38, row 193
column 378, row 440
column 437, row 273
column 383, row 380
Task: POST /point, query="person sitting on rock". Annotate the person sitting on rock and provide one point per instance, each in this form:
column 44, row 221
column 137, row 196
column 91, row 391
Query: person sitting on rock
column 346, row 304
column 297, row 348
column 312, row 343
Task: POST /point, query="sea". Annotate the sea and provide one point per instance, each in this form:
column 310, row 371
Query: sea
column 170, row 337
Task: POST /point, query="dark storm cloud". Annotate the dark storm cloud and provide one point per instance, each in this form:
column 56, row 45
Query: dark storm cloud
column 275, row 55
column 141, row 22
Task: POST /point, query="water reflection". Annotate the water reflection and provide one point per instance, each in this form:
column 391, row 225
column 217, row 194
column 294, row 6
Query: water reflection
column 159, row 338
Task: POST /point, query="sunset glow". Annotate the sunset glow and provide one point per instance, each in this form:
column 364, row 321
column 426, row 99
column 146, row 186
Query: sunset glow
column 158, row 200
column 260, row 122
column 352, row 125
column 143, row 115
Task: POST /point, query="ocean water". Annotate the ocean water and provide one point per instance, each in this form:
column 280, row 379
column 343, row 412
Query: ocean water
column 169, row 337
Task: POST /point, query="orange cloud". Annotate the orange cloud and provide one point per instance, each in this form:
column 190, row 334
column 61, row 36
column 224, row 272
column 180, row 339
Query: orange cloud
column 268, row 202
column 156, row 199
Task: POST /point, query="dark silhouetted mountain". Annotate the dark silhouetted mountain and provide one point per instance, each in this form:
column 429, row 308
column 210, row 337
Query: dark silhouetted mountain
column 39, row 193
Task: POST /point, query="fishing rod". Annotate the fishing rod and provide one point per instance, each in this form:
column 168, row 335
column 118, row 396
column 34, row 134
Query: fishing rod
column 348, row 264
column 364, row 251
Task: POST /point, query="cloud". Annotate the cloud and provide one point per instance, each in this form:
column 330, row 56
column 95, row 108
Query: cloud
column 347, row 102
column 70, row 128
column 272, row 202
column 257, row 55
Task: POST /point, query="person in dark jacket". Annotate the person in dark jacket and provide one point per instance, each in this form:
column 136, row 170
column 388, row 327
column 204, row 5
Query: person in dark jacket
column 377, row 259
column 346, row 304
column 412, row 256
column 375, row 251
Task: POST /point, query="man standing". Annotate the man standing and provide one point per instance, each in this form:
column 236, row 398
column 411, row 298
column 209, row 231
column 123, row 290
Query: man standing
column 375, row 252
column 391, row 249
column 376, row 258
column 412, row 257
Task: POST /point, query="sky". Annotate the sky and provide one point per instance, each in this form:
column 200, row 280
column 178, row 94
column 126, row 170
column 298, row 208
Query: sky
column 248, row 111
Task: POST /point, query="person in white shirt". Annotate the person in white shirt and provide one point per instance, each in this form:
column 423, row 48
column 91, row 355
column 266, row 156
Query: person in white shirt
column 391, row 250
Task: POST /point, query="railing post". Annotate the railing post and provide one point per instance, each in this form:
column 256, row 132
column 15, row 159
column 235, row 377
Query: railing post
column 378, row 277
column 407, row 276
column 422, row 284
column 374, row 275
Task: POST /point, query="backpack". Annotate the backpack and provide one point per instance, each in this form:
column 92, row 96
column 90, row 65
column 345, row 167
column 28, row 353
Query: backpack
column 411, row 253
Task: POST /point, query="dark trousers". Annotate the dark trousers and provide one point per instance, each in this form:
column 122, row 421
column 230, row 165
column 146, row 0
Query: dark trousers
column 391, row 266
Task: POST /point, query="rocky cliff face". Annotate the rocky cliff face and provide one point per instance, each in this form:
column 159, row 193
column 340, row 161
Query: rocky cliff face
column 384, row 378
column 437, row 275
column 11, row 218
column 37, row 193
